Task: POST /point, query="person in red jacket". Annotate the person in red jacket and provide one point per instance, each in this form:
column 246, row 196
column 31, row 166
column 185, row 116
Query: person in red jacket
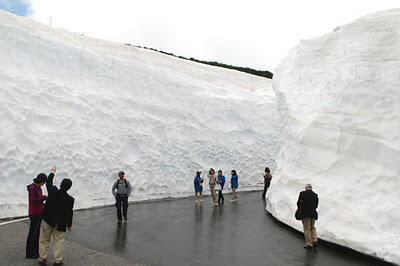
column 36, row 199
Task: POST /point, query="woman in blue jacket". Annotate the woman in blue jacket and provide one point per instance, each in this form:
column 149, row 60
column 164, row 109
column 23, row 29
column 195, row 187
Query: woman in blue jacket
column 234, row 184
column 198, row 186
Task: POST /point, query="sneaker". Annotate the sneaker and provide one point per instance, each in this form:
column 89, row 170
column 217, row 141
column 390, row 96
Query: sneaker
column 42, row 263
column 195, row 201
column 201, row 200
column 126, row 219
column 315, row 245
column 58, row 263
column 216, row 204
column 232, row 200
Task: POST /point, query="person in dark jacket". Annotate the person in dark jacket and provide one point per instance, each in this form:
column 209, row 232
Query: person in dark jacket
column 308, row 204
column 221, row 182
column 36, row 199
column 57, row 217
column 267, row 180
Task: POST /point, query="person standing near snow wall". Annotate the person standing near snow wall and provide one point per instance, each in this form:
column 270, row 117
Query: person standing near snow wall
column 308, row 204
column 221, row 182
column 234, row 184
column 36, row 199
column 121, row 190
column 198, row 186
column 212, row 180
column 267, row 181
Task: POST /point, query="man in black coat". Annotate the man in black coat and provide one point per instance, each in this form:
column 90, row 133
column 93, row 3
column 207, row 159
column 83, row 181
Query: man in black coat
column 308, row 204
column 57, row 217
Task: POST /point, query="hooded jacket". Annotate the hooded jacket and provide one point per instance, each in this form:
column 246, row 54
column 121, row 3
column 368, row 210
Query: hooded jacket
column 36, row 199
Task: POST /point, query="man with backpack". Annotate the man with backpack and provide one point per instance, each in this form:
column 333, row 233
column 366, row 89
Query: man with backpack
column 121, row 191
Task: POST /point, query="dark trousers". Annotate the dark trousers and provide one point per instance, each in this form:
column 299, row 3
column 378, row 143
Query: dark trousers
column 122, row 201
column 266, row 186
column 220, row 197
column 32, row 242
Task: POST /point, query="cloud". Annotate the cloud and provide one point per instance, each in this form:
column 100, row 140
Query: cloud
column 251, row 33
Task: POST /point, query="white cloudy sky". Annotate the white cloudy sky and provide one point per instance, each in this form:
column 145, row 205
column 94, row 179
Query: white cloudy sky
column 250, row 33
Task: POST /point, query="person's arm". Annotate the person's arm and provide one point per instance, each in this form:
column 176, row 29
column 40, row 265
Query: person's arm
column 299, row 201
column 49, row 182
column 129, row 188
column 70, row 214
column 34, row 196
column 113, row 189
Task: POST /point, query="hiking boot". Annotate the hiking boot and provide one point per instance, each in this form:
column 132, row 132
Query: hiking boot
column 315, row 245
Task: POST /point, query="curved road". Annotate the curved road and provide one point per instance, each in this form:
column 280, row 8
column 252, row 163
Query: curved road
column 180, row 232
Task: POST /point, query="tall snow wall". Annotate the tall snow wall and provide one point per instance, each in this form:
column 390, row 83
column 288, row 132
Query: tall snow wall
column 93, row 107
column 339, row 100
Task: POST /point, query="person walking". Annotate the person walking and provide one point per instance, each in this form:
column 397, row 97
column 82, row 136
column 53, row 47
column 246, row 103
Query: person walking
column 267, row 181
column 234, row 185
column 221, row 182
column 198, row 186
column 308, row 204
column 57, row 217
column 121, row 191
column 212, row 180
column 36, row 199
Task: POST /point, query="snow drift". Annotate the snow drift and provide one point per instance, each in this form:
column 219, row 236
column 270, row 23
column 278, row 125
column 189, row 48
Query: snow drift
column 339, row 101
column 94, row 107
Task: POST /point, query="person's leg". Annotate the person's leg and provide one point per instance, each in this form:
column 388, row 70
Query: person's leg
column 265, row 190
column 58, row 237
column 214, row 195
column 125, row 207
column 119, row 214
column 219, row 196
column 222, row 196
column 37, row 235
column 44, row 240
column 195, row 196
column 314, row 237
column 307, row 232
column 30, row 240
column 201, row 195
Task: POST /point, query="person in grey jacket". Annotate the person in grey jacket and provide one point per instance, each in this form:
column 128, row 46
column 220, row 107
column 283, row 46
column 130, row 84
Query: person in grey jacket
column 121, row 191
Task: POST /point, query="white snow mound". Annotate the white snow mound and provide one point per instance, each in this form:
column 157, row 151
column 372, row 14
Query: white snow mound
column 93, row 107
column 339, row 101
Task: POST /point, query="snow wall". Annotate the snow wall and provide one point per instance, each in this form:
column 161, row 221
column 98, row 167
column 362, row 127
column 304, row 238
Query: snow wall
column 93, row 107
column 339, row 101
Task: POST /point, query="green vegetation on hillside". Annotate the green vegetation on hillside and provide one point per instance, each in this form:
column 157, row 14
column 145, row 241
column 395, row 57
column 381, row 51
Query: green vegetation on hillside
column 261, row 73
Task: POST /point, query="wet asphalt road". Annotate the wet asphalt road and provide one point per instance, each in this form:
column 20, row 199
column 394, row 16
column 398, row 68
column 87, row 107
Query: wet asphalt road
column 180, row 232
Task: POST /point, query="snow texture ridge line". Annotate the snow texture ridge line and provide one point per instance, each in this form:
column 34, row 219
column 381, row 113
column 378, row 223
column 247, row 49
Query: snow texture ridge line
column 339, row 104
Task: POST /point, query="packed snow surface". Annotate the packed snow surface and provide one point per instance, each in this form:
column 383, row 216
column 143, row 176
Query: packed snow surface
column 93, row 107
column 339, row 101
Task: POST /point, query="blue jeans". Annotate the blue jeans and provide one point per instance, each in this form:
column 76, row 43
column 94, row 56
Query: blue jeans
column 32, row 242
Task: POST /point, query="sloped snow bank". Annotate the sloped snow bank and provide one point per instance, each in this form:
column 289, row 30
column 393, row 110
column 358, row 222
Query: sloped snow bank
column 94, row 107
column 339, row 101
